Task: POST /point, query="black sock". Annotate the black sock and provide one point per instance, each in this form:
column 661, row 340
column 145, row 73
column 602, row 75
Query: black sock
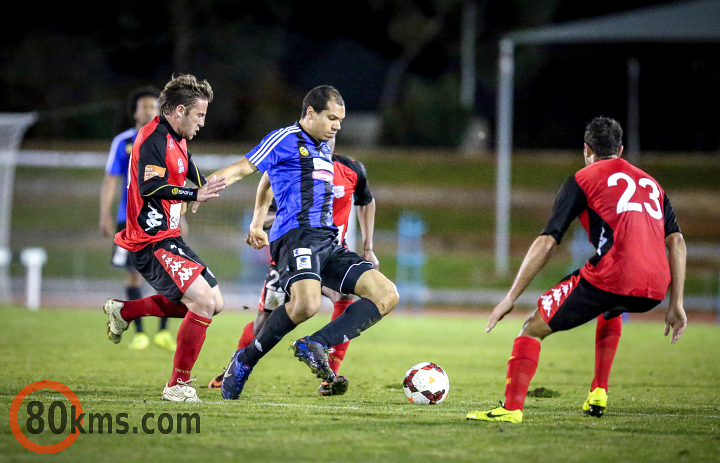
column 277, row 325
column 359, row 316
column 132, row 293
column 162, row 324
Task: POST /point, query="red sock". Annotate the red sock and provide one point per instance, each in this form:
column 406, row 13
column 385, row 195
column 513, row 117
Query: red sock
column 190, row 338
column 156, row 306
column 607, row 338
column 336, row 354
column 521, row 369
column 247, row 336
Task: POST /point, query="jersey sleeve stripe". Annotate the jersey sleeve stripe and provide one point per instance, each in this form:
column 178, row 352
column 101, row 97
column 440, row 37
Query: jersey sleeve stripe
column 270, row 144
column 114, row 146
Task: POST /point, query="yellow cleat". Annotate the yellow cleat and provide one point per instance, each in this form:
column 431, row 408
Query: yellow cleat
column 497, row 414
column 596, row 402
column 140, row 341
column 165, row 340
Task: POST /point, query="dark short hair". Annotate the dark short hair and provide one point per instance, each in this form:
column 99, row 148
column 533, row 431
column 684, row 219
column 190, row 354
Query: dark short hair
column 319, row 97
column 140, row 92
column 184, row 90
column 604, row 136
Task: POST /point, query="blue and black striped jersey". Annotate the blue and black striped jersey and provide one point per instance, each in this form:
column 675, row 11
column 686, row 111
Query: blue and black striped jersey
column 301, row 174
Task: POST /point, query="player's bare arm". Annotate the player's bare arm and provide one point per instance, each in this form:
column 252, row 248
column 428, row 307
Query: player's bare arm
column 107, row 194
column 366, row 218
column 537, row 256
column 231, row 174
column 263, row 198
column 236, row 171
column 675, row 317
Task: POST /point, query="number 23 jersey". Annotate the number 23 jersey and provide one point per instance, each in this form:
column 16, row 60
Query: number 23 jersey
column 627, row 216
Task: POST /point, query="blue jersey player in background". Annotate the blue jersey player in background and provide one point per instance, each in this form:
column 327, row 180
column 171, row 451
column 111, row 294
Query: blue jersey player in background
column 143, row 105
column 303, row 243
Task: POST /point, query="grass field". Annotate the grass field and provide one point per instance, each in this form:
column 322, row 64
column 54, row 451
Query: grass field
column 664, row 399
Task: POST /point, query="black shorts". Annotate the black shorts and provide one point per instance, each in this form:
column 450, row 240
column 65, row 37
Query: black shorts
column 120, row 255
column 574, row 301
column 313, row 253
column 170, row 267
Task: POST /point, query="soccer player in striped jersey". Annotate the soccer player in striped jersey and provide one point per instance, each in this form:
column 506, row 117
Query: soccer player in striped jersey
column 303, row 242
column 350, row 187
column 631, row 223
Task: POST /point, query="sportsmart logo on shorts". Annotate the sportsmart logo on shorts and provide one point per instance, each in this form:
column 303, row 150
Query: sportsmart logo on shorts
column 53, row 415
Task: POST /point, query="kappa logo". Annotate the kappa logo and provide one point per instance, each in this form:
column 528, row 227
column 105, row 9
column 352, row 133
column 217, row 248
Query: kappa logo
column 154, row 219
column 185, row 273
column 547, row 303
column 170, row 144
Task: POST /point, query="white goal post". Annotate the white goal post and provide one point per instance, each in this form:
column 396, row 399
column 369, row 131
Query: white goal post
column 12, row 129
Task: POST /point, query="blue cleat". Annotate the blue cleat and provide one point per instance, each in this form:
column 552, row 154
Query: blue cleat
column 315, row 355
column 233, row 380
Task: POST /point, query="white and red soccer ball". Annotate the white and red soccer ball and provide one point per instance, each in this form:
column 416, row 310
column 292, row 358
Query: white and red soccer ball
column 426, row 384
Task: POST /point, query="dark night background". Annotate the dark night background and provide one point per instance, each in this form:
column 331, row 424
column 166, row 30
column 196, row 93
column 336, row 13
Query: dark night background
column 75, row 62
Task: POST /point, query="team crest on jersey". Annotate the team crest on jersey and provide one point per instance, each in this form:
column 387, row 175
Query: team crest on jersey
column 339, row 191
column 304, row 151
column 181, row 166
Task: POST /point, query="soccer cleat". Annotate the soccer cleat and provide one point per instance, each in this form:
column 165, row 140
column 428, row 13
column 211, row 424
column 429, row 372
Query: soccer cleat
column 497, row 414
column 337, row 387
column 216, row 382
column 139, row 341
column 164, row 339
column 315, row 356
column 116, row 324
column 181, row 392
column 596, row 402
column 234, row 378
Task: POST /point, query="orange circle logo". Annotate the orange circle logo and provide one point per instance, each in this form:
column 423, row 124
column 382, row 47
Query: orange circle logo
column 15, row 408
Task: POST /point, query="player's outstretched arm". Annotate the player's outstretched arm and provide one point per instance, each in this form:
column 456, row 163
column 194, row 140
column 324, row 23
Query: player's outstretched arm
column 675, row 316
column 537, row 256
column 257, row 237
column 236, row 171
column 366, row 219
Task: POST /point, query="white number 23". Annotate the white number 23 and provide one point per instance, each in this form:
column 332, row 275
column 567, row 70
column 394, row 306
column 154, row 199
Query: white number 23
column 625, row 205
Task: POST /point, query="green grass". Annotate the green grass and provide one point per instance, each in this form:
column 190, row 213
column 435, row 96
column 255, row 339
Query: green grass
column 663, row 406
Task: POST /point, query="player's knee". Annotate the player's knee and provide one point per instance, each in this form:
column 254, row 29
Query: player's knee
column 385, row 297
column 301, row 308
column 535, row 327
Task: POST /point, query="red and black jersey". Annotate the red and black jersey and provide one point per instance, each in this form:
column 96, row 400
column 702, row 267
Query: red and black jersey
column 627, row 216
column 350, row 180
column 158, row 169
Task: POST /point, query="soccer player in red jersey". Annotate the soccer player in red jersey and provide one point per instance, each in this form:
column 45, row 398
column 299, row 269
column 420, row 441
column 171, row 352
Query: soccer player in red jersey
column 159, row 166
column 350, row 187
column 631, row 223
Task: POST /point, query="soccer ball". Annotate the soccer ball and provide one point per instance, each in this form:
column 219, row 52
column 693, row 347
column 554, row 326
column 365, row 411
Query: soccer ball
column 426, row 384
